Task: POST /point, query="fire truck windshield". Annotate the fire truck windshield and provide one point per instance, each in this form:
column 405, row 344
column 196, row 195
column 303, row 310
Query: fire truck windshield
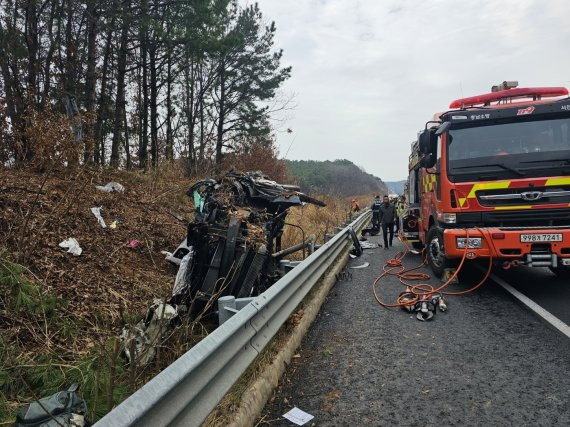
column 508, row 147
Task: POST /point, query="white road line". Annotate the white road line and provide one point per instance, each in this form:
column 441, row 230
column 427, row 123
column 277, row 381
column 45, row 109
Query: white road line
column 546, row 315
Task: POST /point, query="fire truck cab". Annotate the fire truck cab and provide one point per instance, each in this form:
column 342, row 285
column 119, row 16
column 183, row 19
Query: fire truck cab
column 491, row 178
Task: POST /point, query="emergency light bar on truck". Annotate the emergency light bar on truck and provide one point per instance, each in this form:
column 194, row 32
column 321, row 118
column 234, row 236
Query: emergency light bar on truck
column 535, row 93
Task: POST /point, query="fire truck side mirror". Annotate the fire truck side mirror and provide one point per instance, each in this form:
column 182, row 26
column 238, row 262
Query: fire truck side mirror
column 428, row 161
column 427, row 141
column 443, row 128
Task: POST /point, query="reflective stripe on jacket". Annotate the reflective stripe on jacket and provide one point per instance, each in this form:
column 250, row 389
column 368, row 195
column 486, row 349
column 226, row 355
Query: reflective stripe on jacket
column 376, row 205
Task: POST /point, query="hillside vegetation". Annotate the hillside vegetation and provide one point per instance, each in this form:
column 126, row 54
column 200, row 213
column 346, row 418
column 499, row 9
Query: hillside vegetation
column 340, row 177
column 60, row 314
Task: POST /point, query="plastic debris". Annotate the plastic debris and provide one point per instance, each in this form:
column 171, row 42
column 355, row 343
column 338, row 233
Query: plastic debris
column 133, row 244
column 180, row 284
column 148, row 332
column 298, row 416
column 65, row 408
column 97, row 213
column 176, row 256
column 368, row 245
column 111, row 186
column 366, row 264
column 352, row 255
column 72, row 246
column 114, row 224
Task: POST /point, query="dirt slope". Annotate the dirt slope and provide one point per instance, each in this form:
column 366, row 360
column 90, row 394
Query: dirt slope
column 85, row 299
column 60, row 314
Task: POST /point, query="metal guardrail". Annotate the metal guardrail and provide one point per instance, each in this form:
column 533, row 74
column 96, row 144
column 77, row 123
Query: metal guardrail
column 190, row 388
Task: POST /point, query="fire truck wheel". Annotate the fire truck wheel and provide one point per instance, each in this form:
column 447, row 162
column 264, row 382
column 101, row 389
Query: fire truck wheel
column 435, row 255
column 563, row 272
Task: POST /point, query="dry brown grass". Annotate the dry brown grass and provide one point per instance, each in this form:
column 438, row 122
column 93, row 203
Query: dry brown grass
column 318, row 221
column 91, row 296
column 109, row 284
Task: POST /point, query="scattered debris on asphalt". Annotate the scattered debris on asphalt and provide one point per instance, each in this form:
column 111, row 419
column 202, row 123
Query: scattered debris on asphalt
column 298, row 416
column 364, row 265
column 72, row 246
column 368, row 245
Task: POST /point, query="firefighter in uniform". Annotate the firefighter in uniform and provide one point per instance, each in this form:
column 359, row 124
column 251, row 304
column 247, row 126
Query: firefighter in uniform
column 355, row 206
column 400, row 206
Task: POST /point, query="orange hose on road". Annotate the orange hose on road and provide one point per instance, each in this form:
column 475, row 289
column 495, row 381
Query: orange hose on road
column 421, row 291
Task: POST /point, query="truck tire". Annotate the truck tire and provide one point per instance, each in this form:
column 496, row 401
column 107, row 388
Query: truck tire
column 435, row 256
column 562, row 271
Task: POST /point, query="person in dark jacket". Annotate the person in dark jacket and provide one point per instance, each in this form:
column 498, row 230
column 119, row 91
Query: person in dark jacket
column 376, row 205
column 387, row 219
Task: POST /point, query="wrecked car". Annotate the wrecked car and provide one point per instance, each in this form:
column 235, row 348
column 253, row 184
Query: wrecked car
column 232, row 247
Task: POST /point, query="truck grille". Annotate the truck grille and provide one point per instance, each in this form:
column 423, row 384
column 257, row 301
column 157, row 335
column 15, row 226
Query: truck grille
column 524, row 196
column 516, row 218
column 530, row 217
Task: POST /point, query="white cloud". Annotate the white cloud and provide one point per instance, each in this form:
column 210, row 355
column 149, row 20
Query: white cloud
column 367, row 74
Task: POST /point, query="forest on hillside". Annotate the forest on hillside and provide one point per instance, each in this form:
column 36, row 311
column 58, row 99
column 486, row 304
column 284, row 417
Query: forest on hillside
column 340, row 177
column 129, row 84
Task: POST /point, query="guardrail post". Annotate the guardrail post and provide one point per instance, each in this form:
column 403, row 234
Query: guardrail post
column 226, row 308
column 286, row 265
column 230, row 305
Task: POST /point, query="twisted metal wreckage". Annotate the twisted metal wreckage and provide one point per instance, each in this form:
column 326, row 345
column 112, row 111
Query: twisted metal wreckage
column 233, row 247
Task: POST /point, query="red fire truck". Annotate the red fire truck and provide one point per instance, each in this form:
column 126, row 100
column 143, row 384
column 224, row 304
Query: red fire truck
column 493, row 173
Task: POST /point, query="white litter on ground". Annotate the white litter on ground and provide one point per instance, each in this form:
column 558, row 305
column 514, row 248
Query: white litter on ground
column 368, row 245
column 111, row 186
column 298, row 417
column 366, row 264
column 72, row 246
column 97, row 213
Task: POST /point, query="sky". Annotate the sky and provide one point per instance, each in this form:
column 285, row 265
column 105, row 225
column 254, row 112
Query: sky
column 368, row 74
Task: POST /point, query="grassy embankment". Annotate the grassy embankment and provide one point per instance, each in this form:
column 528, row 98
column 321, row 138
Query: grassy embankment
column 60, row 315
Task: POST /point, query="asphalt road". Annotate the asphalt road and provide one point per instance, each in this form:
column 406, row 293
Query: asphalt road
column 486, row 361
column 543, row 287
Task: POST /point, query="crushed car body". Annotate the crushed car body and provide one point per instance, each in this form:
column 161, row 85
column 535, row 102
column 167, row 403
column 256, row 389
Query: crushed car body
column 237, row 230
column 232, row 247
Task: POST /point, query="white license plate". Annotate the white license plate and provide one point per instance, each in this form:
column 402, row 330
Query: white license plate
column 531, row 238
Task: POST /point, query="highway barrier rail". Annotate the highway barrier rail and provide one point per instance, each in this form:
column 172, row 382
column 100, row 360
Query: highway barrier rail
column 187, row 391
